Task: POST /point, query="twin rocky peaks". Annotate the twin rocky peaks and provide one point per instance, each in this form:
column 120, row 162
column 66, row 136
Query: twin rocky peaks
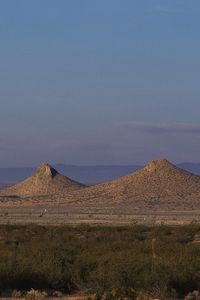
column 158, row 183
column 46, row 170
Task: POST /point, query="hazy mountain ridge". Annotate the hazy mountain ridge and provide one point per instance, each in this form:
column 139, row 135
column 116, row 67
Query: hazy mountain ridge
column 84, row 174
column 3, row 184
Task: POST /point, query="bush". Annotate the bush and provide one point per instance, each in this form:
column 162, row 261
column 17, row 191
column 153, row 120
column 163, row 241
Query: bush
column 35, row 294
column 159, row 261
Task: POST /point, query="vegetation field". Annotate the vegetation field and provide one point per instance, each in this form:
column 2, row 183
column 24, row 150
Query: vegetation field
column 161, row 261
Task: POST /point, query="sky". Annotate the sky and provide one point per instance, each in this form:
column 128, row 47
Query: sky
column 99, row 82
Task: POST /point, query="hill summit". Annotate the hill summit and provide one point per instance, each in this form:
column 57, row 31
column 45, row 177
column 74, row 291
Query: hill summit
column 44, row 181
column 45, row 170
column 156, row 165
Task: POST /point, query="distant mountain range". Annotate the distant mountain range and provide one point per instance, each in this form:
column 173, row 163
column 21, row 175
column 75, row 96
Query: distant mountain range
column 85, row 174
column 3, row 184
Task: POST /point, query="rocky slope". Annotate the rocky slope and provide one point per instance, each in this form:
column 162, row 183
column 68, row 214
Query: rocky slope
column 158, row 185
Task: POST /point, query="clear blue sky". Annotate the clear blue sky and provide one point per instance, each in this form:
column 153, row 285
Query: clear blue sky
column 99, row 81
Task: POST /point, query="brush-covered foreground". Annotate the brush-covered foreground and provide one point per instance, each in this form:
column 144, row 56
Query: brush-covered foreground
column 158, row 261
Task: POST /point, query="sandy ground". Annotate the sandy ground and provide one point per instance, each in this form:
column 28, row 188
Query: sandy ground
column 73, row 215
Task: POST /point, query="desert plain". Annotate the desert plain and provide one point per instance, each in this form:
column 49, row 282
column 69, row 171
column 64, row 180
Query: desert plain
column 159, row 193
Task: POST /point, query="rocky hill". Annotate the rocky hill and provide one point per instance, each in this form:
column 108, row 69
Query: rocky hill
column 45, row 181
column 158, row 185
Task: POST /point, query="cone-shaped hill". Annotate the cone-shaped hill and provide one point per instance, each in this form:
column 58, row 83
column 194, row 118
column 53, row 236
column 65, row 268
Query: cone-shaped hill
column 44, row 181
column 158, row 185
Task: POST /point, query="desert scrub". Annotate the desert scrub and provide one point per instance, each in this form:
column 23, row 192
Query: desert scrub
column 149, row 260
